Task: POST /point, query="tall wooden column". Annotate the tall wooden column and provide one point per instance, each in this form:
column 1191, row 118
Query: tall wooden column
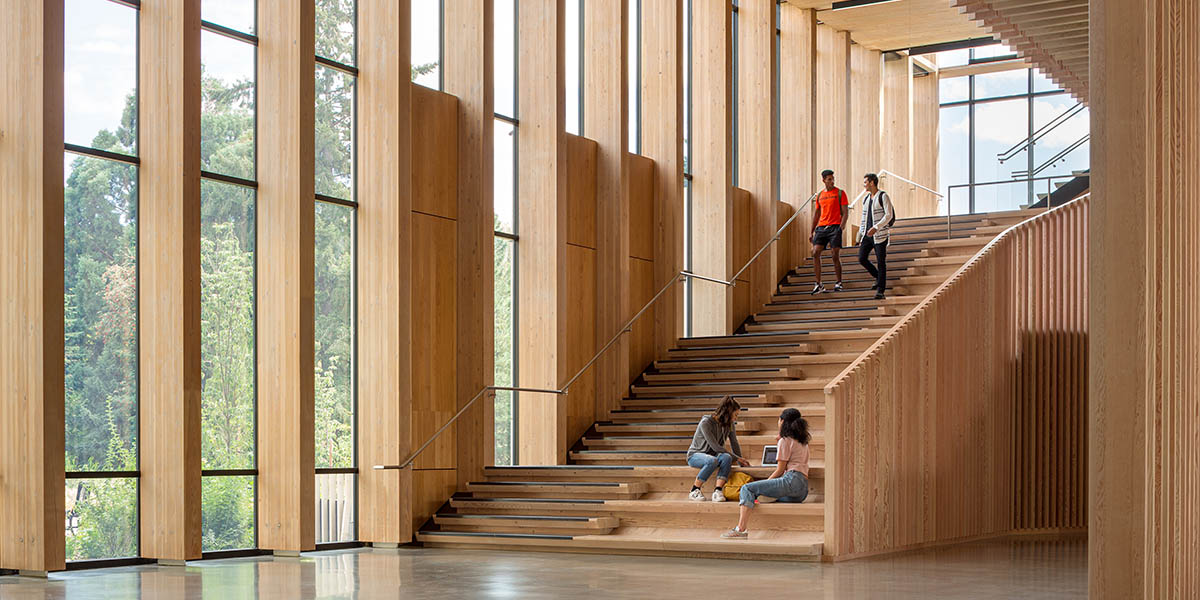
column 169, row 279
column 606, row 120
column 469, row 76
column 31, row 277
column 285, row 276
column 662, row 140
column 833, row 107
column 897, row 131
column 711, row 167
column 384, row 131
column 756, row 139
column 866, row 98
column 926, row 116
column 542, row 203
column 798, row 119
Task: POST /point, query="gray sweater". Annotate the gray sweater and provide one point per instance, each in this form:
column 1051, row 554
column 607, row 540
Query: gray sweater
column 710, row 438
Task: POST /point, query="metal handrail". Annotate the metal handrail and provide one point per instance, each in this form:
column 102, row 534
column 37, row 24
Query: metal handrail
column 1041, row 132
column 1030, row 180
column 626, row 328
column 887, row 173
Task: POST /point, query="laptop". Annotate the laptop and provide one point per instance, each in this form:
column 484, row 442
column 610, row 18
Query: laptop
column 770, row 455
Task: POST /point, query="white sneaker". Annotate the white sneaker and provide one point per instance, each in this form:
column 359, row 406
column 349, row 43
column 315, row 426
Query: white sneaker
column 718, row 495
column 696, row 496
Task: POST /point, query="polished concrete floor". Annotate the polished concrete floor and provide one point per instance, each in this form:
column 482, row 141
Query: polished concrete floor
column 1007, row 569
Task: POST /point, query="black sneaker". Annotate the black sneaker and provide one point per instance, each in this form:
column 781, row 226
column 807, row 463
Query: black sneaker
column 818, row 289
column 874, row 286
column 879, row 295
column 837, row 287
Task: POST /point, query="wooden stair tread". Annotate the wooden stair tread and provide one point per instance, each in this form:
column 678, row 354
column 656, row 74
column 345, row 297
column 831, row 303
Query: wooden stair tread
column 805, row 546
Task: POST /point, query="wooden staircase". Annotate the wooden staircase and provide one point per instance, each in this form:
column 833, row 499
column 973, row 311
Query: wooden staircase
column 625, row 489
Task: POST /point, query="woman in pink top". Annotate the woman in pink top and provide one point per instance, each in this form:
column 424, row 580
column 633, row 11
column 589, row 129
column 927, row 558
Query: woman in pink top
column 789, row 482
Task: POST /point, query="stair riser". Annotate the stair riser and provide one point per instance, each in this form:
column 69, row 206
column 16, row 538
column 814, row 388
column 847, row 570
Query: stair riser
column 584, row 496
column 774, row 374
column 650, row 391
column 895, row 301
column 680, row 485
column 823, row 325
column 701, row 518
column 483, row 528
column 727, row 551
column 858, row 312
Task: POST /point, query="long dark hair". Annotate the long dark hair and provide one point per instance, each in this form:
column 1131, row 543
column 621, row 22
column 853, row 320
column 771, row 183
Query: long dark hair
column 725, row 411
column 794, row 426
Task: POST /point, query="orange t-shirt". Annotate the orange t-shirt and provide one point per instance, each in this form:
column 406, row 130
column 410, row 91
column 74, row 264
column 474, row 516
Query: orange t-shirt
column 831, row 202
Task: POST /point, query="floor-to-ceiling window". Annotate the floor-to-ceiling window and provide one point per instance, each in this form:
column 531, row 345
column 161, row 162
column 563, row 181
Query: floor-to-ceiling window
column 1007, row 135
column 504, row 37
column 100, row 235
column 573, row 68
column 687, row 169
column 228, row 46
column 334, row 346
column 633, row 18
column 427, row 43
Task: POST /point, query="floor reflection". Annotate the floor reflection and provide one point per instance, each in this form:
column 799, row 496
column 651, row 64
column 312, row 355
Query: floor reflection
column 1026, row 569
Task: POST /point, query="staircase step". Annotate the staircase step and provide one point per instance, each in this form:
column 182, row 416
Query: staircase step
column 701, row 402
column 650, row 391
column 799, row 295
column 526, row 524
column 564, row 489
column 704, row 363
column 797, row 324
column 827, row 313
column 684, row 427
column 824, row 301
column 728, row 374
column 758, row 339
column 672, row 509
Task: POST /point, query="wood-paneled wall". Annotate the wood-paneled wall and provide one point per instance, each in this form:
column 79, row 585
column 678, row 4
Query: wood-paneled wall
column 169, row 279
column 757, row 134
column 31, row 277
column 896, row 154
column 641, row 264
column 711, row 166
column 798, row 172
column 1144, row 452
column 866, row 105
column 284, row 277
column 384, row 219
column 940, row 432
column 833, row 107
column 926, row 118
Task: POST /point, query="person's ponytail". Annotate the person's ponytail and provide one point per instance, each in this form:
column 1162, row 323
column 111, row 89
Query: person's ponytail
column 794, row 426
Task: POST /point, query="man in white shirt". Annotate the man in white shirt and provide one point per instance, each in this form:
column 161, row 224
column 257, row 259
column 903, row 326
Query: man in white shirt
column 877, row 216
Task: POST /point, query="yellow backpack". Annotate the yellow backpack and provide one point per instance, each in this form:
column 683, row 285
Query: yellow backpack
column 733, row 487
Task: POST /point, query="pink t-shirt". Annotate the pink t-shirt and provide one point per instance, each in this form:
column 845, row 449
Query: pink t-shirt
column 793, row 455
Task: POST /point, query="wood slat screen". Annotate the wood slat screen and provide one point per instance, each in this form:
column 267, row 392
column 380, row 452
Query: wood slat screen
column 968, row 419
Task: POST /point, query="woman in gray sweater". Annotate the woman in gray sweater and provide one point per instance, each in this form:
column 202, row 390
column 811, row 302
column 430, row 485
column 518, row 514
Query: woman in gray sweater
column 707, row 451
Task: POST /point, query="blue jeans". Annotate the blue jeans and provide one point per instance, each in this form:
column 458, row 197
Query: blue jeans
column 792, row 486
column 708, row 463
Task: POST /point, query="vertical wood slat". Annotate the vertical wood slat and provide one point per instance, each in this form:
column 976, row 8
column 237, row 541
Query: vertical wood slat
column 798, row 116
column 169, row 279
column 606, row 120
column 713, row 214
column 1000, row 406
column 384, row 222
column 757, row 135
column 31, row 277
column 468, row 74
column 284, row 287
column 833, row 107
column 1144, row 447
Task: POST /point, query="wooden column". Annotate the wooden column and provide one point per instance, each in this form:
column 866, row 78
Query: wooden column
column 541, row 199
column 662, row 141
column 926, row 116
column 866, row 98
column 756, row 140
column 1144, row 430
column 169, row 279
column 384, row 249
column 712, row 168
column 798, row 173
column 285, row 277
column 31, row 275
column 833, row 107
column 897, row 131
column 606, row 120
column 468, row 75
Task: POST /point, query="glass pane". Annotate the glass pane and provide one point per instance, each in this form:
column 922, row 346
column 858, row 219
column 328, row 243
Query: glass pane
column 100, row 314
column 954, row 89
column 954, row 161
column 427, row 43
column 998, row 128
column 102, row 519
column 227, row 326
column 227, row 513
column 234, row 14
column 335, row 30
column 333, row 333
column 573, row 85
column 335, row 510
column 633, row 14
column 334, row 138
column 504, row 339
column 227, row 106
column 953, row 58
column 991, row 51
column 687, row 86
column 505, row 61
column 504, row 137
column 1042, row 83
column 1004, row 83
column 100, row 77
column 1064, row 143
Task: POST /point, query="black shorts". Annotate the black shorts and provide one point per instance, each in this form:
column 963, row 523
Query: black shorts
column 829, row 236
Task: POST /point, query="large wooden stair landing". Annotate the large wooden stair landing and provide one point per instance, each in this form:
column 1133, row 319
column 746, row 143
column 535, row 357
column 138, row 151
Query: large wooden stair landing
column 625, row 489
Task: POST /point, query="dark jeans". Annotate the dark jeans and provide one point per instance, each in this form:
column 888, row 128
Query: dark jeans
column 864, row 248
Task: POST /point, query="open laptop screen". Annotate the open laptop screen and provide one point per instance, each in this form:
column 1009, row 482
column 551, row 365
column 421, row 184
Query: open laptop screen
column 770, row 454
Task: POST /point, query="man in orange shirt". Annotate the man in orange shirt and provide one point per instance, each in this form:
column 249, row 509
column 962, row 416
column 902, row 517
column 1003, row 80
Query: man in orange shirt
column 829, row 217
